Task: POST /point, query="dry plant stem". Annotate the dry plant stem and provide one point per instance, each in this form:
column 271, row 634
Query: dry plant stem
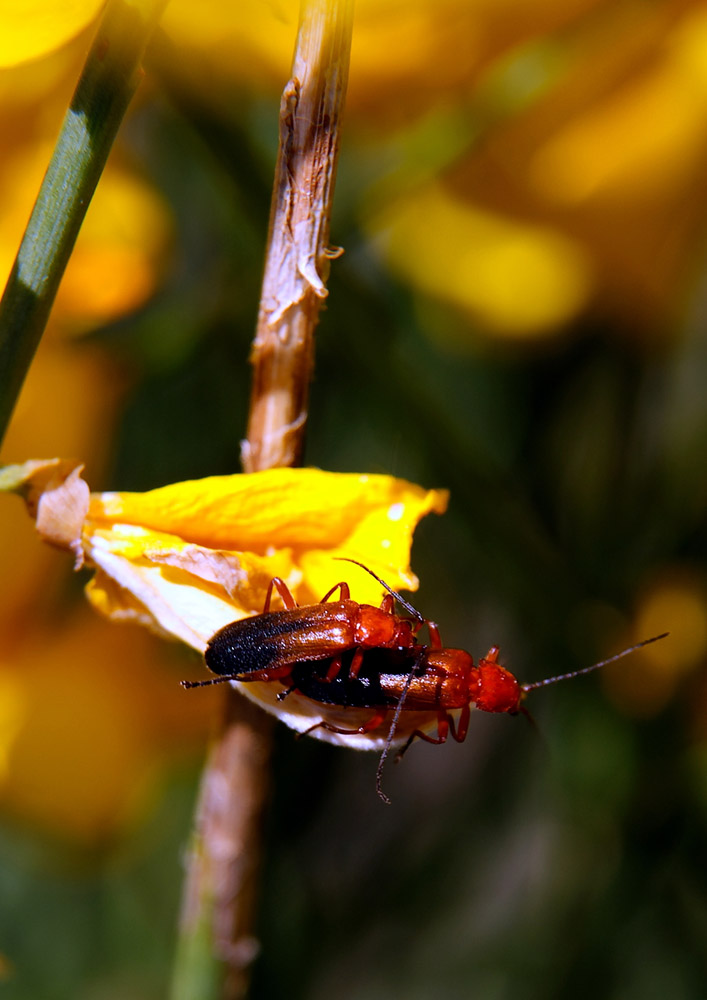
column 217, row 943
column 298, row 254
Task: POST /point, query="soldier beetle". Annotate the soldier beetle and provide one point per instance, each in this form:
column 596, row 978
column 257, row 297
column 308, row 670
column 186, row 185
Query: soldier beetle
column 444, row 681
column 350, row 655
column 265, row 646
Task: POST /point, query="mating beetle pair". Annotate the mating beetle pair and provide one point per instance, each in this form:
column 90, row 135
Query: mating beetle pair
column 356, row 656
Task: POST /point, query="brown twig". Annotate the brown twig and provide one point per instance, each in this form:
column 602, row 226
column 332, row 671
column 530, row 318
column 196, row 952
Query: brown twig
column 217, row 943
column 298, row 256
column 217, row 940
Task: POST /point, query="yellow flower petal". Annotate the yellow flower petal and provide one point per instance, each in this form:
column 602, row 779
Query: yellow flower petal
column 292, row 523
column 180, row 589
column 302, row 508
column 189, row 558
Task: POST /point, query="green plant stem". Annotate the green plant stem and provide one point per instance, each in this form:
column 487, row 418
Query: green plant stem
column 109, row 79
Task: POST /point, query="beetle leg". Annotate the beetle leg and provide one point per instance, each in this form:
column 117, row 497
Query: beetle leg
column 388, row 604
column 435, row 639
column 354, row 667
column 443, row 722
column 344, row 593
column 492, row 655
column 334, row 669
column 284, row 592
column 356, row 663
column 373, row 723
column 461, row 728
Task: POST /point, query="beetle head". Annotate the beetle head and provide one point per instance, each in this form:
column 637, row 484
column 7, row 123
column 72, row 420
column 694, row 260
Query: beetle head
column 496, row 688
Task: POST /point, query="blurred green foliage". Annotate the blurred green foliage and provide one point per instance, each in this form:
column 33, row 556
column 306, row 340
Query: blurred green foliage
column 563, row 863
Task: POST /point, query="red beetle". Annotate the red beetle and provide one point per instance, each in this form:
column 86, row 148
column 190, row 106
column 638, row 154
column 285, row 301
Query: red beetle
column 265, row 646
column 353, row 656
column 445, row 681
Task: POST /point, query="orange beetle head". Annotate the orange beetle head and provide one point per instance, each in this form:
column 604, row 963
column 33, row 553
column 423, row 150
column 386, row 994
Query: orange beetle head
column 496, row 690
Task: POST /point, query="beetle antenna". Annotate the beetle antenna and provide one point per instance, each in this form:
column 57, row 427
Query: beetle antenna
column 215, row 680
column 595, row 666
column 393, row 727
column 401, row 600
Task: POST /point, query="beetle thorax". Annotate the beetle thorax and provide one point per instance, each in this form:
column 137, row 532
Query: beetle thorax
column 376, row 627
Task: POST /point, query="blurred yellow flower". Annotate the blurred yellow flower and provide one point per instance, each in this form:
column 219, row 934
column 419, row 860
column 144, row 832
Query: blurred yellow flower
column 35, row 28
column 568, row 181
column 643, row 685
column 517, row 279
column 640, row 139
column 120, row 252
column 407, row 56
column 68, row 402
column 124, row 242
column 572, row 181
column 90, row 717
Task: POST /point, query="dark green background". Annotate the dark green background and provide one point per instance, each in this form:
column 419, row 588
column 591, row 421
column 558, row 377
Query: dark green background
column 567, row 863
